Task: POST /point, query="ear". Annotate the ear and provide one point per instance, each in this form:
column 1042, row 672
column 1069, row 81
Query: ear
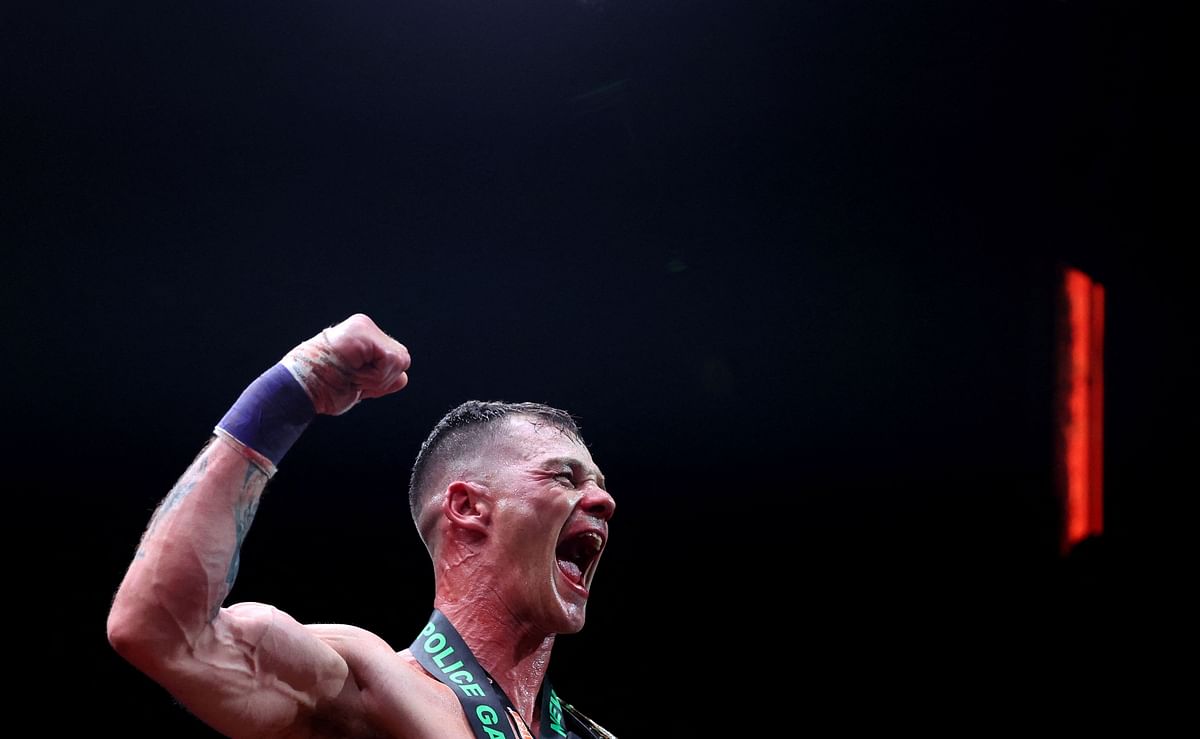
column 468, row 505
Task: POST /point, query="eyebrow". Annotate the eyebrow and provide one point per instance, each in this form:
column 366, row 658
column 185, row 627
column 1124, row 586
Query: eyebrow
column 576, row 467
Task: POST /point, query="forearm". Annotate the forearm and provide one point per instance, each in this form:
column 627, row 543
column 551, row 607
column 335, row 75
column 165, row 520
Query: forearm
column 188, row 558
column 185, row 566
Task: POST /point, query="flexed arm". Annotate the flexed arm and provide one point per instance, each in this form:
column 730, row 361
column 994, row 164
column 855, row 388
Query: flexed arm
column 248, row 669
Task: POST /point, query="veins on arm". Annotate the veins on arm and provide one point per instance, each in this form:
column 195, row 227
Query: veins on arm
column 182, row 488
column 243, row 511
column 243, row 516
column 244, row 504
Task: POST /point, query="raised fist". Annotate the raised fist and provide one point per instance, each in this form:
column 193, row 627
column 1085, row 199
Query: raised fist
column 348, row 362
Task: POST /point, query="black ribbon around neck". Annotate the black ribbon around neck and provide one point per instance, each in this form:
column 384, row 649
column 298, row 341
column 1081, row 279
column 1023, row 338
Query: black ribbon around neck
column 442, row 652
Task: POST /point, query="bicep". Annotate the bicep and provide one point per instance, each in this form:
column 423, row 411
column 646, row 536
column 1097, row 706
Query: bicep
column 255, row 671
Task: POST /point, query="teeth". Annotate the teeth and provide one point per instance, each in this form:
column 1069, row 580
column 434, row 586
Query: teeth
column 594, row 541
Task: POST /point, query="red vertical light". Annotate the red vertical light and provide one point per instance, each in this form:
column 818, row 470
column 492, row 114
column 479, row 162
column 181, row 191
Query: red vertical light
column 1082, row 416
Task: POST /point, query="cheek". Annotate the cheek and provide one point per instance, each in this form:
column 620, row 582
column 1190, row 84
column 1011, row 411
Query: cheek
column 525, row 532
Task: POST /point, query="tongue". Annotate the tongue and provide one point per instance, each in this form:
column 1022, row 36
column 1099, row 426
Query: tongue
column 571, row 570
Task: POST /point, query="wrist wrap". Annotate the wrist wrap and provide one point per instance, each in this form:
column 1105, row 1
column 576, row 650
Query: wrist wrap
column 267, row 418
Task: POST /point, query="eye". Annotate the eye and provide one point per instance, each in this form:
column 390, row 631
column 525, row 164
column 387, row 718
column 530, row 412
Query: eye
column 566, row 477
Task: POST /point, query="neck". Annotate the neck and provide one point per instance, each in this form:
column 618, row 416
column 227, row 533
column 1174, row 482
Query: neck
column 514, row 653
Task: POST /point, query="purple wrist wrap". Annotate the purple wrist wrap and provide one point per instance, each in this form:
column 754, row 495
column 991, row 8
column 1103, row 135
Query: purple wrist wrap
column 270, row 414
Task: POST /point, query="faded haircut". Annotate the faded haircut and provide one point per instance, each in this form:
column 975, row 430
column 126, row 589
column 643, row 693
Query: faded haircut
column 462, row 430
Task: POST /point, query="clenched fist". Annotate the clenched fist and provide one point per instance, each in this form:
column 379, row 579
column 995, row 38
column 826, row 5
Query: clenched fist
column 348, row 362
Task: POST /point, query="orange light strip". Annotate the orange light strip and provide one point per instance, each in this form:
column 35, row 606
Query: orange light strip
column 1095, row 510
column 1083, row 425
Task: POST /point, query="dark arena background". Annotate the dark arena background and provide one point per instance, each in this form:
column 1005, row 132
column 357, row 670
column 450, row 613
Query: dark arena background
column 795, row 266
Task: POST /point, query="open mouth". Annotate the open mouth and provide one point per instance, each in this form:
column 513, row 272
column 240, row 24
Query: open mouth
column 577, row 556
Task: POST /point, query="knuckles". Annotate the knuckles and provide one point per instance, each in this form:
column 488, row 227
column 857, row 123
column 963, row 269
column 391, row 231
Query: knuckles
column 374, row 359
column 360, row 321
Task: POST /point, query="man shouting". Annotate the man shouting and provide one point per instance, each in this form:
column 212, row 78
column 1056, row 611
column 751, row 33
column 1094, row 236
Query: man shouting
column 508, row 501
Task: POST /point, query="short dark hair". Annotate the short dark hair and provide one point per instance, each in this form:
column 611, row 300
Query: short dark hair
column 463, row 428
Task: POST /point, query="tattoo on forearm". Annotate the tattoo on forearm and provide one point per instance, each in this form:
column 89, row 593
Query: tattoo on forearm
column 180, row 491
column 251, row 469
column 253, row 483
column 243, row 516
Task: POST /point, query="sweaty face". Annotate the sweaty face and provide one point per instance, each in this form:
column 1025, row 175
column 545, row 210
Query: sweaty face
column 549, row 523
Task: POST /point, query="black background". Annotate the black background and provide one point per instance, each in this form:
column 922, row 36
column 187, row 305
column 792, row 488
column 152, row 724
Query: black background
column 792, row 264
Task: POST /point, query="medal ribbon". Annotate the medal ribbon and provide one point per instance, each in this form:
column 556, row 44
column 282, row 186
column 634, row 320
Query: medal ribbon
column 442, row 652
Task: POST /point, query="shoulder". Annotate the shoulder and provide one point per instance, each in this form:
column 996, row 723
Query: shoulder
column 368, row 656
column 391, row 691
column 352, row 638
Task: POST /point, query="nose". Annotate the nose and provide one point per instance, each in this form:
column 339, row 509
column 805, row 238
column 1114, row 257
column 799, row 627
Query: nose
column 597, row 502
